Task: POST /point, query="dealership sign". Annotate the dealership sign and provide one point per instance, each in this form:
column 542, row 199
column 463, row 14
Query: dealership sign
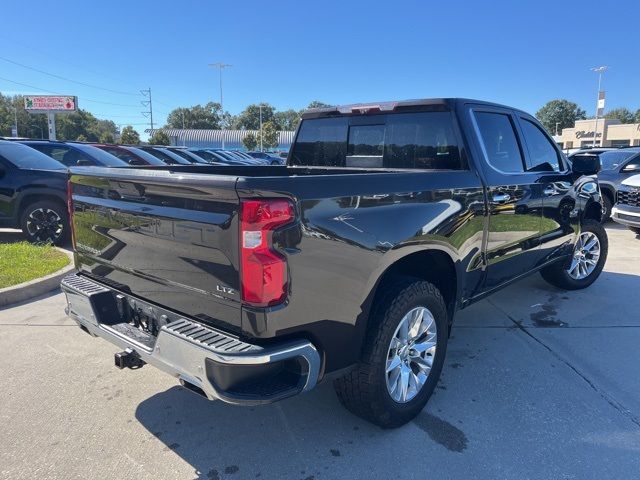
column 585, row 134
column 50, row 103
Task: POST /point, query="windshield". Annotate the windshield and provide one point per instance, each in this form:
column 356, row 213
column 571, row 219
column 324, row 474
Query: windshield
column 165, row 157
column 100, row 156
column 613, row 159
column 177, row 158
column 186, row 155
column 208, row 156
column 146, row 156
column 26, row 157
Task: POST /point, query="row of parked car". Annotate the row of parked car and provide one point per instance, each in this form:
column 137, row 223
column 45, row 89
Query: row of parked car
column 33, row 176
column 108, row 155
column 619, row 181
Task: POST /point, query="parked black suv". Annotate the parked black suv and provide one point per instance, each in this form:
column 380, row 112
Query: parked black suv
column 251, row 285
column 33, row 193
column 75, row 154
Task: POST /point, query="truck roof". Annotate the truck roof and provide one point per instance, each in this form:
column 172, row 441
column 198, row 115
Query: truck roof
column 389, row 106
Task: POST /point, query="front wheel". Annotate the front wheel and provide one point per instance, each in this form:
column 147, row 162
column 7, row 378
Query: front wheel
column 402, row 357
column 586, row 262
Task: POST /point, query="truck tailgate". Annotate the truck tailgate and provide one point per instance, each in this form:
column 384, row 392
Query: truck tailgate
column 168, row 237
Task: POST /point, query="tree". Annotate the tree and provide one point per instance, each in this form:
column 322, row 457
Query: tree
column 29, row 124
column 81, row 138
column 622, row 114
column 286, row 120
column 159, row 138
column 318, row 104
column 129, row 136
column 562, row 112
column 636, row 116
column 107, row 137
column 249, row 119
column 250, row 141
column 269, row 135
column 73, row 125
column 209, row 116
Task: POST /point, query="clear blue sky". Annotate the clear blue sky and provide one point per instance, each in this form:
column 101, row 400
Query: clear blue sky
column 289, row 53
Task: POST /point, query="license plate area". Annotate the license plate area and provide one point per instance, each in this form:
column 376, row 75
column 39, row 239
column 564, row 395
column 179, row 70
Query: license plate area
column 130, row 318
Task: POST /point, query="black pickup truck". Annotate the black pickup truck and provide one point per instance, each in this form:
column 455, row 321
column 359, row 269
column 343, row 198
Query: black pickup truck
column 252, row 284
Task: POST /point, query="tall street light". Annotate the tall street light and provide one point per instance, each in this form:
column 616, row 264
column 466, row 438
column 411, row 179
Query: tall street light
column 221, row 66
column 600, row 102
column 260, row 106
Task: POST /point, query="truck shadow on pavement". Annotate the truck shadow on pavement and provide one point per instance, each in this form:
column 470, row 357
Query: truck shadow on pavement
column 312, row 436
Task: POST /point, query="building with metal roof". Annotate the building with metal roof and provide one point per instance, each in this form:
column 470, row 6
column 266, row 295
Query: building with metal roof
column 214, row 138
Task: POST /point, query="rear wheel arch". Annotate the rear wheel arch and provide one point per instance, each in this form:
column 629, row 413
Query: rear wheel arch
column 432, row 265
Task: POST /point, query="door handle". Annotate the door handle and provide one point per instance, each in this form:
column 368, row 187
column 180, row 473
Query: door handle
column 501, row 197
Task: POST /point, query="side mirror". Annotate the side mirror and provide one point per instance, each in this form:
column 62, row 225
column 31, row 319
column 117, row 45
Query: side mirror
column 585, row 164
column 83, row 162
column 634, row 167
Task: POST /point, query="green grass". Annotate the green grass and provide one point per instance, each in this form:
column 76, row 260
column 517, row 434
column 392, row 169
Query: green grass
column 22, row 261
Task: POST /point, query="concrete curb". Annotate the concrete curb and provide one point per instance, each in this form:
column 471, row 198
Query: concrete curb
column 35, row 288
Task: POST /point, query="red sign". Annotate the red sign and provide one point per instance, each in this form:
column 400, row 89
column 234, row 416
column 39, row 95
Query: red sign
column 50, row 103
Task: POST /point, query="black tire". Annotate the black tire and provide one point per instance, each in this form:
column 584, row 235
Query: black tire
column 49, row 233
column 635, row 230
column 607, row 205
column 363, row 391
column 557, row 274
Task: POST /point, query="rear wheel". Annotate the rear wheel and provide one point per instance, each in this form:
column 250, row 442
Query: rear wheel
column 45, row 222
column 586, row 262
column 403, row 356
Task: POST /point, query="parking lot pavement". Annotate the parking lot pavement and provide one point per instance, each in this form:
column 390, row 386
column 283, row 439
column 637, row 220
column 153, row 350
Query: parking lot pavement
column 538, row 383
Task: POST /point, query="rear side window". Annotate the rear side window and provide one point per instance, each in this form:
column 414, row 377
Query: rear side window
column 543, row 156
column 321, row 142
column 56, row 153
column 500, row 142
column 423, row 140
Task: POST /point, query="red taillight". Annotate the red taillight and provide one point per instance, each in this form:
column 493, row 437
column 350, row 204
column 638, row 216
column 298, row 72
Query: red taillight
column 263, row 271
column 70, row 211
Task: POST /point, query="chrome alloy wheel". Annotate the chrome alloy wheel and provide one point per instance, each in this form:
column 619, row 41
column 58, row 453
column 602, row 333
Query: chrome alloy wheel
column 585, row 256
column 44, row 225
column 411, row 354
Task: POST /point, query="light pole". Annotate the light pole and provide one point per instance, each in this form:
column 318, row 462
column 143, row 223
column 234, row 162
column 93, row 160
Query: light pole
column 557, row 123
column 599, row 70
column 184, row 143
column 15, row 120
column 221, row 66
column 260, row 107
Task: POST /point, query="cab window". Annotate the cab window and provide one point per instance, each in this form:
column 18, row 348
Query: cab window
column 543, row 157
column 500, row 142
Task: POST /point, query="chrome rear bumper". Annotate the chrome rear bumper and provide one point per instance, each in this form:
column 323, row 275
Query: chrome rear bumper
column 220, row 365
